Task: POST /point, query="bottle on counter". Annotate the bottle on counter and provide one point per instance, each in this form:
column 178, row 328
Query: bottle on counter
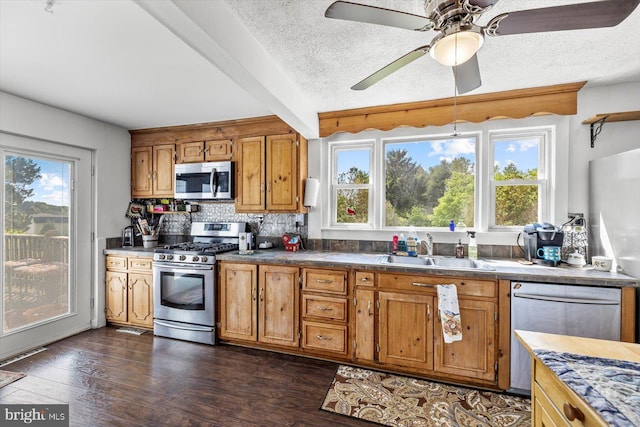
column 394, row 243
column 452, row 226
column 412, row 243
column 459, row 249
column 402, row 245
column 473, row 246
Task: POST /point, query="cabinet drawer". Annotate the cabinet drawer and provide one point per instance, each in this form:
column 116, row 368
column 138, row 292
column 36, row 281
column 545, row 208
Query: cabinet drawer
column 330, row 281
column 470, row 286
column 565, row 400
column 365, row 278
column 218, row 150
column 324, row 307
column 320, row 336
column 116, row 262
column 140, row 264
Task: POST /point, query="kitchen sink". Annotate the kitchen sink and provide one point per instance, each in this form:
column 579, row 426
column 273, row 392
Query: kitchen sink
column 437, row 262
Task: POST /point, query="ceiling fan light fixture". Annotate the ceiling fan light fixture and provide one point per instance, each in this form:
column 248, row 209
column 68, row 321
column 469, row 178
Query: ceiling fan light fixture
column 447, row 53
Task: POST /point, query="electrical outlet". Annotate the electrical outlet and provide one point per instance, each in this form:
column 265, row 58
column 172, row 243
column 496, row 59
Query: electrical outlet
column 300, row 220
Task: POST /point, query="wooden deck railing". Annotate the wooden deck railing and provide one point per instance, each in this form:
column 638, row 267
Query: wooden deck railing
column 37, row 247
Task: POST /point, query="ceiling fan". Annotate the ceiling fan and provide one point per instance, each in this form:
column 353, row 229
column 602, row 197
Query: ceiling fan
column 459, row 37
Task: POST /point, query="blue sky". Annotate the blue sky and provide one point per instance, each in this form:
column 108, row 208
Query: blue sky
column 53, row 185
column 524, row 153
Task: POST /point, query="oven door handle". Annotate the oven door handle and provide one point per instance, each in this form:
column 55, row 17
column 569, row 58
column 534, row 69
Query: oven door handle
column 172, row 266
column 186, row 328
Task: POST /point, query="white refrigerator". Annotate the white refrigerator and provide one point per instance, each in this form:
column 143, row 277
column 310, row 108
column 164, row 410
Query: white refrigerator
column 614, row 211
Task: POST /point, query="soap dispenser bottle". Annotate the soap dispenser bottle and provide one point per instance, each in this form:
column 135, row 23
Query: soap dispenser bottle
column 473, row 246
column 459, row 249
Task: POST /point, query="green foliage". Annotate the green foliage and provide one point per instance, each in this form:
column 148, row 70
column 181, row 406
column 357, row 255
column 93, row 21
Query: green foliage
column 457, row 201
column 357, row 201
column 19, row 174
column 516, row 205
column 406, row 180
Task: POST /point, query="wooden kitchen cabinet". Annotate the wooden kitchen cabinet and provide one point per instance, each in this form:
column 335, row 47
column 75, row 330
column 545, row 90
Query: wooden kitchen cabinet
column 259, row 304
column 325, row 311
column 204, row 151
column 271, row 172
column 129, row 291
column 152, row 171
column 410, row 332
column 364, row 304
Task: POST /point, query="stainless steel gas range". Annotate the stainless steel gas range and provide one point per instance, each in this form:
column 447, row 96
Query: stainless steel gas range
column 184, row 281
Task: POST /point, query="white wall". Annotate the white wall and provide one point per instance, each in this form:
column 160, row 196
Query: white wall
column 614, row 138
column 573, row 154
column 112, row 148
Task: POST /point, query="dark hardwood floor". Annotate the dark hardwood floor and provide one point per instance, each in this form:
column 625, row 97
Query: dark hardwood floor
column 111, row 378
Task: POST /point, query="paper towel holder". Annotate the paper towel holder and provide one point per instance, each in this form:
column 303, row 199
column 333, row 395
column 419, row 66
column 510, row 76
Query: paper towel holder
column 311, row 190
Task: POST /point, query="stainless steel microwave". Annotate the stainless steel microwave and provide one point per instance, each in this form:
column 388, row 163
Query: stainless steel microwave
column 204, row 181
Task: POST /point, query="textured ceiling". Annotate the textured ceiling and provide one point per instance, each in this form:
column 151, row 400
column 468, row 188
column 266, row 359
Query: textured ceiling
column 151, row 63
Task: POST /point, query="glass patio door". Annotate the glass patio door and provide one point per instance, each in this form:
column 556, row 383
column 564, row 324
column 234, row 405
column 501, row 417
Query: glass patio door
column 46, row 247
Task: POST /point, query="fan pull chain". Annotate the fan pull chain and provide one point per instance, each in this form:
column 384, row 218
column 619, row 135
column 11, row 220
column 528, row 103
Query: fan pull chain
column 455, row 85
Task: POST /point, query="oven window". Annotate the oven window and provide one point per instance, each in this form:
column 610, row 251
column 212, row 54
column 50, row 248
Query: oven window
column 193, row 182
column 183, row 291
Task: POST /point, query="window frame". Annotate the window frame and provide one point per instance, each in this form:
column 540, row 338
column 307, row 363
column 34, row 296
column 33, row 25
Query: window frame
column 546, row 138
column 335, row 148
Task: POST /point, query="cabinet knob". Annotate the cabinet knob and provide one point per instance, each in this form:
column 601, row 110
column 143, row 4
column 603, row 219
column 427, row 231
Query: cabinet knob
column 572, row 413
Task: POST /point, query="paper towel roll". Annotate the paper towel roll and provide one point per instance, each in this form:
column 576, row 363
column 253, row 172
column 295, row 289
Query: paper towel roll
column 312, row 188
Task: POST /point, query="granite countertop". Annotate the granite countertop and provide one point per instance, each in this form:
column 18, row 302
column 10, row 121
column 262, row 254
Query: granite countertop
column 508, row 269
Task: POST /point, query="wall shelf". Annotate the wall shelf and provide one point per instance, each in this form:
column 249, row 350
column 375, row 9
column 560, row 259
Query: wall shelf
column 598, row 120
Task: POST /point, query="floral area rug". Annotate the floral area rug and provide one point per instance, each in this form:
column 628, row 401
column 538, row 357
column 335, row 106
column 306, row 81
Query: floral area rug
column 7, row 377
column 393, row 400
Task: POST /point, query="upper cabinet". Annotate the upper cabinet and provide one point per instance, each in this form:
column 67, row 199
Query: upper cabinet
column 270, row 173
column 152, row 171
column 204, row 151
column 271, row 160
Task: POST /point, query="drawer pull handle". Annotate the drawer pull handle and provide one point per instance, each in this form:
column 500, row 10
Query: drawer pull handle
column 424, row 285
column 572, row 413
column 369, row 308
column 324, row 280
column 321, row 308
column 323, row 338
column 364, row 279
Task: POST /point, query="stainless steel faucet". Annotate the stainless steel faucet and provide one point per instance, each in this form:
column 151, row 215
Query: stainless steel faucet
column 428, row 242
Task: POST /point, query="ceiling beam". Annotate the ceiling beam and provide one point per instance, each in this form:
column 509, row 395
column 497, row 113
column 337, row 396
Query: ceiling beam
column 211, row 29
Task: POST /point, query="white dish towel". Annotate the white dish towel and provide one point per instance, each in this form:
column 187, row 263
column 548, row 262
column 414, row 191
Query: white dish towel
column 449, row 313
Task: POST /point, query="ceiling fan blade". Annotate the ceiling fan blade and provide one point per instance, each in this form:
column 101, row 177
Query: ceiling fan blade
column 467, row 75
column 577, row 16
column 377, row 15
column 390, row 68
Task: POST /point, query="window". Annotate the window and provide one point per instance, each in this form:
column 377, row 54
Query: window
column 352, row 184
column 429, row 182
column 486, row 178
column 519, row 183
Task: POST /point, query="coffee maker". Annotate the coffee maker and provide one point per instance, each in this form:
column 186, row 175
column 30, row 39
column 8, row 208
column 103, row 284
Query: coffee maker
column 128, row 236
column 538, row 235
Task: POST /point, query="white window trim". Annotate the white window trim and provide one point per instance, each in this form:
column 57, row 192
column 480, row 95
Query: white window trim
column 546, row 137
column 558, row 176
column 334, row 149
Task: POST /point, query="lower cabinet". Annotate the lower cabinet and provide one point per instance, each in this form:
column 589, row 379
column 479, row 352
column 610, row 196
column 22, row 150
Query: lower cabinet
column 374, row 319
column 259, row 304
column 129, row 291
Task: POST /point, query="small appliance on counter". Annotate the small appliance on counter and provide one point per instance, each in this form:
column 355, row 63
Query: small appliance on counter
column 536, row 237
column 128, row 236
column 291, row 242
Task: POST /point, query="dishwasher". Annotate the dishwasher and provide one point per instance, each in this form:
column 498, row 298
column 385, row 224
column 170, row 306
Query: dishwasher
column 583, row 311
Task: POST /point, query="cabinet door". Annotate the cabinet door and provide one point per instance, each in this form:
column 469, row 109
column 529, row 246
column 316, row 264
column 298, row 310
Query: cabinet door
column 238, row 301
column 116, row 298
column 474, row 356
column 141, row 172
column 217, row 150
column 278, row 306
column 250, row 175
column 190, row 152
column 141, row 299
column 282, row 168
column 364, row 324
column 163, row 174
column 406, row 330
